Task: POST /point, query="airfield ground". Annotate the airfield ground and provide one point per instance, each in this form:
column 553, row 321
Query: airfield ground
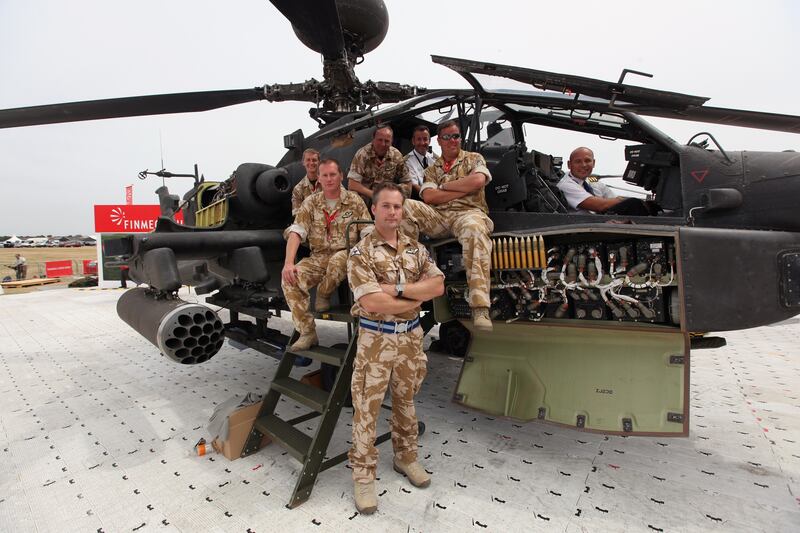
column 96, row 433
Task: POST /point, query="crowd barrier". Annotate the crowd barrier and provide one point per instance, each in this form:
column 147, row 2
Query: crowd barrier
column 53, row 269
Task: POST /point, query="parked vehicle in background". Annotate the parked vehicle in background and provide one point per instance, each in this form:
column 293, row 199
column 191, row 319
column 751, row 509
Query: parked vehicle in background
column 8, row 244
column 71, row 244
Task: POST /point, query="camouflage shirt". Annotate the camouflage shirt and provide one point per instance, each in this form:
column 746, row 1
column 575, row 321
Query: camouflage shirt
column 301, row 191
column 374, row 261
column 311, row 224
column 367, row 169
column 465, row 164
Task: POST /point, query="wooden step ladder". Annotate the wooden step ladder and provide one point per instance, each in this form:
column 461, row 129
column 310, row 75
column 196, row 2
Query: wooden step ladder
column 309, row 450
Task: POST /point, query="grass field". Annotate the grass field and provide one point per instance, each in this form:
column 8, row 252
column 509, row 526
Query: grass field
column 38, row 256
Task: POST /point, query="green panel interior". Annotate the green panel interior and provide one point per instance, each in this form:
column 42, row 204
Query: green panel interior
column 605, row 374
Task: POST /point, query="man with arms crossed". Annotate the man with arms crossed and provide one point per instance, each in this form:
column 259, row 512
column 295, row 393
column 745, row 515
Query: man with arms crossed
column 455, row 204
column 321, row 221
column 390, row 276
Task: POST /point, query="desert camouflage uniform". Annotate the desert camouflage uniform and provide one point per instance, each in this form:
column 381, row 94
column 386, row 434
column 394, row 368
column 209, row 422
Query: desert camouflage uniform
column 383, row 358
column 367, row 169
column 326, row 267
column 465, row 218
column 301, row 191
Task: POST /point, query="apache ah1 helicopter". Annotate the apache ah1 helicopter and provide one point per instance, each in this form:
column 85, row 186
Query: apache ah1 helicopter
column 592, row 317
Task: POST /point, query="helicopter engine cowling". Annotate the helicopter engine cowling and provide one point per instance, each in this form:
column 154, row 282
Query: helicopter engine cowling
column 364, row 25
column 262, row 194
column 185, row 332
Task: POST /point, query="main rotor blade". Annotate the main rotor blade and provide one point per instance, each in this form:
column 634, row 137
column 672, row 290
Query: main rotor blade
column 567, row 83
column 318, row 21
column 134, row 106
column 731, row 117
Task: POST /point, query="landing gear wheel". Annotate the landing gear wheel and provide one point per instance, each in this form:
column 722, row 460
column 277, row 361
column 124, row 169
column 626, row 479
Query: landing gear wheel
column 455, row 338
column 701, row 343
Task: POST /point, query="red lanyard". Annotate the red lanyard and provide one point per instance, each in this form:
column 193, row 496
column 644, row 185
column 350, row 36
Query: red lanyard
column 447, row 167
column 328, row 219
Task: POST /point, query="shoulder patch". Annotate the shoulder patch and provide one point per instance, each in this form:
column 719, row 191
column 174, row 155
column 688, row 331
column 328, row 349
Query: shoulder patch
column 355, row 251
column 347, row 214
column 412, row 251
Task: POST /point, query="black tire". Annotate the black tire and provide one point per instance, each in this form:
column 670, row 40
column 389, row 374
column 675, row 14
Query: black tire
column 455, row 338
column 704, row 343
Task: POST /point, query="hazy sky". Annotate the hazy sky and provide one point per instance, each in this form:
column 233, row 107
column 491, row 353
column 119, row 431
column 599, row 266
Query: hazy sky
column 741, row 54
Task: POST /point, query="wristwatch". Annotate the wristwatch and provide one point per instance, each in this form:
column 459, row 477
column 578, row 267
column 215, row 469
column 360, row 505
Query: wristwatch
column 399, row 287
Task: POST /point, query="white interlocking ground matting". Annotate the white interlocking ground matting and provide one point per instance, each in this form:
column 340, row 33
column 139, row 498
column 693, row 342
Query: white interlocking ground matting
column 97, row 429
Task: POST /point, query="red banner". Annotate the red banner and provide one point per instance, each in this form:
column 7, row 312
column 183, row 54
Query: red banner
column 129, row 195
column 128, row 218
column 89, row 266
column 57, row 269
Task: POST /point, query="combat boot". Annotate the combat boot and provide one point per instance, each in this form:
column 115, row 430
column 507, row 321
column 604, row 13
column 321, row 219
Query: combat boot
column 322, row 302
column 305, row 341
column 414, row 472
column 480, row 318
column 365, row 497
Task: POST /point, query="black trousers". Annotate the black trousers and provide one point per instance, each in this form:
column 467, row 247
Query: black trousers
column 632, row 207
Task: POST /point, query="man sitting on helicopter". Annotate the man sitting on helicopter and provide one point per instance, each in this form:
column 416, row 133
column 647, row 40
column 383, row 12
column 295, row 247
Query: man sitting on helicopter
column 309, row 184
column 377, row 162
column 455, row 204
column 322, row 221
column 583, row 197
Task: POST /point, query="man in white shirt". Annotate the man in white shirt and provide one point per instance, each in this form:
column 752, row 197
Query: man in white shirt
column 595, row 197
column 420, row 158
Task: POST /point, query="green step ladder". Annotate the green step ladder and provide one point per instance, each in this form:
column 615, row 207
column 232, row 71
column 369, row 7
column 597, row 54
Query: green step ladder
column 309, row 450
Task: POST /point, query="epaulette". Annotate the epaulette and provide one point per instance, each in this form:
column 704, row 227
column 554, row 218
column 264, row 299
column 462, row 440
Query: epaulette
column 592, row 179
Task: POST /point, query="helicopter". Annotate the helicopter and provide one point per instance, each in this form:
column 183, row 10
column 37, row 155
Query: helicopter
column 592, row 313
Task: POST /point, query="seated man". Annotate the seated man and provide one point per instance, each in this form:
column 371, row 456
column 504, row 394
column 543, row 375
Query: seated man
column 455, row 205
column 377, row 162
column 596, row 197
column 321, row 221
column 419, row 159
column 309, row 184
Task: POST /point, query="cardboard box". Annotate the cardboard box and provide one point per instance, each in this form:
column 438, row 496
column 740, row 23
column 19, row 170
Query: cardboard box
column 313, row 379
column 240, row 422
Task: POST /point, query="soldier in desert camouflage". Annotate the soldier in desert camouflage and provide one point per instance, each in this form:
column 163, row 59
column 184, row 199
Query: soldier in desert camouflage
column 455, row 204
column 321, row 221
column 309, row 184
column 378, row 162
column 390, row 276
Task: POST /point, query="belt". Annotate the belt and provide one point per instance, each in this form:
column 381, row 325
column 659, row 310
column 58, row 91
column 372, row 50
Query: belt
column 388, row 327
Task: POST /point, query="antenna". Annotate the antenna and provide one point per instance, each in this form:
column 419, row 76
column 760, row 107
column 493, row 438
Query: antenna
column 161, row 146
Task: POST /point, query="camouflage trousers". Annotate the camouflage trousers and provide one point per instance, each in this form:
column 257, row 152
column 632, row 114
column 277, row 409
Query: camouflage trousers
column 323, row 270
column 385, row 360
column 471, row 228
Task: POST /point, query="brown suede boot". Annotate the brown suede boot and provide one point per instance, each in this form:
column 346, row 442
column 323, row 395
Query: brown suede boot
column 366, row 498
column 305, row 341
column 480, row 318
column 414, row 472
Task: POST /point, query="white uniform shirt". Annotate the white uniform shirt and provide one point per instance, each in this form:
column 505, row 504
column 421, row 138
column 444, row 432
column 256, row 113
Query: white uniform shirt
column 414, row 165
column 574, row 193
